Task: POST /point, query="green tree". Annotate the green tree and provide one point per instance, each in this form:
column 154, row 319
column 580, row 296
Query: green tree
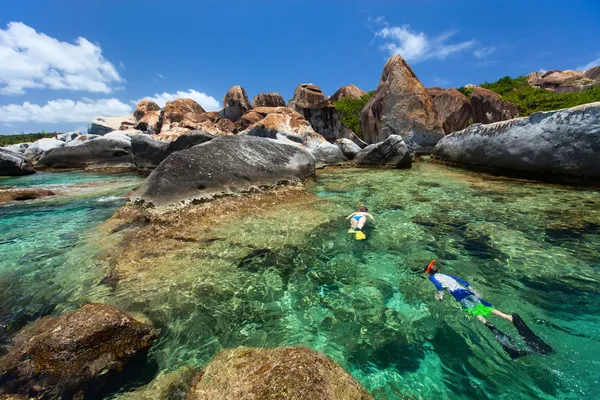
column 349, row 110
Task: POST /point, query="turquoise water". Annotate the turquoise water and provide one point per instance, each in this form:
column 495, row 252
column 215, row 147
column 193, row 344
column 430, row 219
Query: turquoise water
column 290, row 276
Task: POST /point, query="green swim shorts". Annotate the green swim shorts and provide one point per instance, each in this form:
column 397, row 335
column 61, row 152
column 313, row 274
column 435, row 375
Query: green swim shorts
column 479, row 310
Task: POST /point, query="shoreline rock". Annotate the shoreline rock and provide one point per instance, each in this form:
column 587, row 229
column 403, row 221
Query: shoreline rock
column 392, row 152
column 565, row 142
column 14, row 164
column 8, row 194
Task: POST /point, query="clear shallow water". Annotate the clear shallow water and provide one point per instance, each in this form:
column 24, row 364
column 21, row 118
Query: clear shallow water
column 294, row 276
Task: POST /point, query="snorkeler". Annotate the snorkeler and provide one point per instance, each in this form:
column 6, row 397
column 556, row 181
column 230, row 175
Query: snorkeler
column 359, row 219
column 472, row 303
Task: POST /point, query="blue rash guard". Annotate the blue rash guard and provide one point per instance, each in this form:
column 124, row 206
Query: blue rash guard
column 458, row 289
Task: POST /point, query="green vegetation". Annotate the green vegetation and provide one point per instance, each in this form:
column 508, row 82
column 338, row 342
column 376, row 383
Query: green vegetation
column 530, row 100
column 466, row 91
column 350, row 109
column 5, row 140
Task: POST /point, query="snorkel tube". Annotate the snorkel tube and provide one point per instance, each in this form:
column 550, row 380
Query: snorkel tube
column 431, row 264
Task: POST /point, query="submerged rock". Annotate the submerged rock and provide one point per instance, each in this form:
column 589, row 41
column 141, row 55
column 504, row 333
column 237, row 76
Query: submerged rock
column 453, row 108
column 401, row 106
column 281, row 373
column 96, row 154
column 268, row 100
column 21, row 194
column 75, row 354
column 222, row 166
column 14, row 164
column 488, row 107
column 392, row 152
column 565, row 141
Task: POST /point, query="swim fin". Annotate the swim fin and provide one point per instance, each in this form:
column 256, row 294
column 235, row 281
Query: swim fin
column 531, row 339
column 351, row 230
column 507, row 344
column 360, row 236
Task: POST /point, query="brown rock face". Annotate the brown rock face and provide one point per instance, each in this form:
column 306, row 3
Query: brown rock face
column 74, row 354
column 310, row 101
column 147, row 116
column 488, row 107
column 211, row 122
column 235, row 103
column 348, row 91
column 553, row 79
column 401, row 106
column 177, row 110
column 8, row 194
column 592, row 73
column 281, row 373
column 453, row 108
column 268, row 100
column 259, row 113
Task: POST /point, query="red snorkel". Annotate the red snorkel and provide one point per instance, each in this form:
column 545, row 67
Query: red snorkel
column 429, row 266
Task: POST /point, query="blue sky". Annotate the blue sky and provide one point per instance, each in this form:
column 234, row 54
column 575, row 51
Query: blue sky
column 64, row 61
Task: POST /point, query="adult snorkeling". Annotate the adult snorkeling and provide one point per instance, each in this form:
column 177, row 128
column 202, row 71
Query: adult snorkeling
column 473, row 303
column 358, row 220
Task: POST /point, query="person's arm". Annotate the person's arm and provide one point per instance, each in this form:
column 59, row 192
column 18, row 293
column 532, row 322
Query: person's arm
column 350, row 216
column 372, row 219
column 440, row 294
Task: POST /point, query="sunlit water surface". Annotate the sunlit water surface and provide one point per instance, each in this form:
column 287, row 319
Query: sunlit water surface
column 295, row 276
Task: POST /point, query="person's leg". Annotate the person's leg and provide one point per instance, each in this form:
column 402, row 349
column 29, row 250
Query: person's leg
column 502, row 315
column 361, row 223
column 353, row 223
column 481, row 319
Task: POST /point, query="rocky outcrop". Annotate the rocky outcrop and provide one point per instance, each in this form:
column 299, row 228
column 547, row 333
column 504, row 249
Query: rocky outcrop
column 149, row 152
column 81, row 139
column 281, row 373
column 392, row 152
column 178, row 110
column 348, row 91
column 453, row 108
column 562, row 81
column 225, row 165
column 564, row 142
column 67, row 137
column 488, row 107
column 147, row 116
column 313, row 105
column 14, row 164
column 211, row 122
column 40, row 147
column 74, row 355
column 268, row 100
column 16, row 148
column 102, row 153
column 22, row 194
column 102, row 125
column 235, row 103
column 592, row 73
column 348, row 148
column 401, row 106
column 289, row 127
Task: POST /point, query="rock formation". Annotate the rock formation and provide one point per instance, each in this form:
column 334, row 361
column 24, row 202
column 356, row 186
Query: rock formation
column 14, row 164
column 268, row 100
column 222, row 166
column 22, row 194
column 102, row 153
column 41, row 146
column 452, row 107
column 73, row 355
column 102, row 125
column 281, row 373
column 592, row 73
column 235, row 103
column 348, row 148
column 147, row 116
column 211, row 122
column 401, row 106
column 178, row 110
column 348, row 91
column 311, row 103
column 488, row 107
column 562, row 81
column 392, row 152
column 565, row 142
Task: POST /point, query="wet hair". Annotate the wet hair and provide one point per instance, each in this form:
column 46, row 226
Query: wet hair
column 434, row 269
column 363, row 209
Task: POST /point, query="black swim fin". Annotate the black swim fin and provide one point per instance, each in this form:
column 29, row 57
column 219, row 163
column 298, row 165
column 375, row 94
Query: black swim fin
column 507, row 344
column 531, row 339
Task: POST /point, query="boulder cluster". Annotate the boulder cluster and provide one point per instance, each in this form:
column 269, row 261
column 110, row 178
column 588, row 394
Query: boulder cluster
column 565, row 81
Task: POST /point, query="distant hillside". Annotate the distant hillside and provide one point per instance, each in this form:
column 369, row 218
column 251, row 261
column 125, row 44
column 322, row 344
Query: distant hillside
column 530, row 100
column 5, row 140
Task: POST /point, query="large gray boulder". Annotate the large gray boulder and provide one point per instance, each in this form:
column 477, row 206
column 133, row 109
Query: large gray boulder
column 326, row 153
column 564, row 142
column 149, row 152
column 225, row 165
column 348, row 148
column 401, row 106
column 392, row 152
column 16, row 148
column 102, row 153
column 13, row 163
column 103, row 125
column 42, row 146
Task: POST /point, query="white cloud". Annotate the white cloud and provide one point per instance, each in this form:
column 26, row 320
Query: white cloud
column 62, row 110
column 589, row 65
column 484, row 52
column 207, row 102
column 29, row 59
column 417, row 46
column 161, row 76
